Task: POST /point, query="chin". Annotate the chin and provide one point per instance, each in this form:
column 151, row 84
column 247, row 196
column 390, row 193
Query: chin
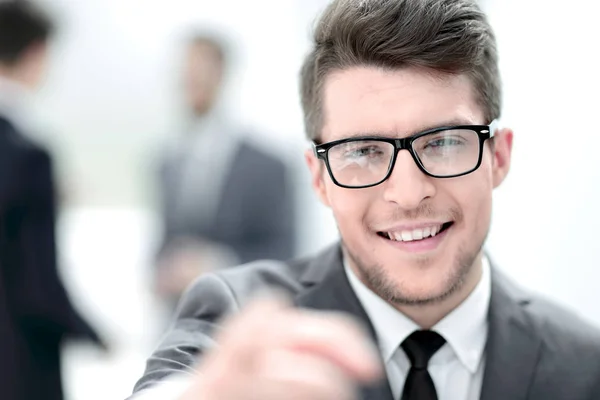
column 415, row 284
column 413, row 280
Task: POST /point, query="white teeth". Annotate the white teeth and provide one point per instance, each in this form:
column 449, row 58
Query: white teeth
column 415, row 234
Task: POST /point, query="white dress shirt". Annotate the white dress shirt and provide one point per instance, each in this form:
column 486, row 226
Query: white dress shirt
column 204, row 156
column 15, row 103
column 456, row 369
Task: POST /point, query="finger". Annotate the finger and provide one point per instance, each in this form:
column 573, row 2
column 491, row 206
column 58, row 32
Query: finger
column 230, row 364
column 242, row 337
column 333, row 336
column 291, row 375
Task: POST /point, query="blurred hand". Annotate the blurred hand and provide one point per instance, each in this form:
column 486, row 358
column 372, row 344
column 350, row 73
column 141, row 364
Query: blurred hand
column 178, row 270
column 186, row 259
column 272, row 352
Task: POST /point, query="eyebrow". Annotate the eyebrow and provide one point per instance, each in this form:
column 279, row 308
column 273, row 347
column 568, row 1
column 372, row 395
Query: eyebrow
column 448, row 123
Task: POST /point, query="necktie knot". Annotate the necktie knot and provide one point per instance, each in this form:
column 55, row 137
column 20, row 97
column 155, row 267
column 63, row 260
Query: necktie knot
column 420, row 346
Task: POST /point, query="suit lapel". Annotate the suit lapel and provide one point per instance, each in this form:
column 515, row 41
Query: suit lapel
column 331, row 291
column 513, row 347
column 512, row 350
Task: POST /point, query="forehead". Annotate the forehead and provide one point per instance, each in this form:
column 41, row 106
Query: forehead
column 374, row 101
column 203, row 52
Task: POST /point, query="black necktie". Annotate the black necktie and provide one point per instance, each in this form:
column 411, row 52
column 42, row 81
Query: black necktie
column 420, row 347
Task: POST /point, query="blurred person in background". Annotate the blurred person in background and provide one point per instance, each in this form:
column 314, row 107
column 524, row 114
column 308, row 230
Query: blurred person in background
column 402, row 101
column 225, row 200
column 35, row 311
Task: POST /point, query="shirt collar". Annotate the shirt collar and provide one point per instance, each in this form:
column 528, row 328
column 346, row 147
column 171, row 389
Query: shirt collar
column 465, row 328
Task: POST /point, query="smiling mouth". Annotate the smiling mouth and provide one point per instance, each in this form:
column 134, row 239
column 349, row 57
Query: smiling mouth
column 415, row 235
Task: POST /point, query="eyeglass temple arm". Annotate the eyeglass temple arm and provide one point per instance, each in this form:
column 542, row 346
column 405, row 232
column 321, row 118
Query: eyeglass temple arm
column 315, row 151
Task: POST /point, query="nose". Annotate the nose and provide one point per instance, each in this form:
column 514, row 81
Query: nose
column 407, row 186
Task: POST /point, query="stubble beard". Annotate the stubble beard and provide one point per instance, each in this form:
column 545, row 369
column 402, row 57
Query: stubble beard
column 377, row 279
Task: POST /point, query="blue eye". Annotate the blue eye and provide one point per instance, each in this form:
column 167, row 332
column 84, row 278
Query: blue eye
column 364, row 152
column 444, row 142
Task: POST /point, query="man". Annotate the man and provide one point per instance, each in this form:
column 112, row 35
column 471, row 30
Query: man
column 401, row 99
column 225, row 200
column 35, row 312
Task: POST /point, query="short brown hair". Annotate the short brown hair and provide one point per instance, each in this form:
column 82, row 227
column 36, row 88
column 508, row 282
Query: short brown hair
column 448, row 36
column 215, row 43
column 22, row 24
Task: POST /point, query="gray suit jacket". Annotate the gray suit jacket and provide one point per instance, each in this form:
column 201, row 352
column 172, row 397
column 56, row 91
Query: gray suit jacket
column 535, row 350
column 255, row 210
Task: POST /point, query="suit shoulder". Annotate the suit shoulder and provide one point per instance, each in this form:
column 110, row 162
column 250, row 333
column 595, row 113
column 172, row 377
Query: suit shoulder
column 11, row 136
column 256, row 277
column 570, row 350
column 24, row 163
column 226, row 291
column 564, row 329
column 15, row 141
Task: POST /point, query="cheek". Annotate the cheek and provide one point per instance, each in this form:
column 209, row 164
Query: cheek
column 474, row 195
column 349, row 206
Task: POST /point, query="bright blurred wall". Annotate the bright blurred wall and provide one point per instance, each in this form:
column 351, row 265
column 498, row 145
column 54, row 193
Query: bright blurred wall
column 111, row 99
column 112, row 95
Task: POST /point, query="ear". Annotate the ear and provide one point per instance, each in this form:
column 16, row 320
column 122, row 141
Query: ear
column 317, row 173
column 502, row 150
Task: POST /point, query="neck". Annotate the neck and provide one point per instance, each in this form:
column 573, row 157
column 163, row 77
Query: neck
column 12, row 74
column 428, row 315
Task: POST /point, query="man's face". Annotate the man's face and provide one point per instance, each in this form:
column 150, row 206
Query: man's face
column 202, row 77
column 31, row 68
column 370, row 101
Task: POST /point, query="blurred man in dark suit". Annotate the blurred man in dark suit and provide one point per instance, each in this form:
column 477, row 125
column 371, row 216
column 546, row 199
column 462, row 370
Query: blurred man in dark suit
column 225, row 200
column 35, row 312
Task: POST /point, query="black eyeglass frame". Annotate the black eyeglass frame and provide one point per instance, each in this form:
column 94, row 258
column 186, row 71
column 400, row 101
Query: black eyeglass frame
column 484, row 132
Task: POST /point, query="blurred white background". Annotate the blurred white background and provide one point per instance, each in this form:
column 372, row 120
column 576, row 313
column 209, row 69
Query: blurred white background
column 111, row 99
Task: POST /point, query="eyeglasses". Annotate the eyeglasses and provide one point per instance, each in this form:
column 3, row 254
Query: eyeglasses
column 444, row 152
